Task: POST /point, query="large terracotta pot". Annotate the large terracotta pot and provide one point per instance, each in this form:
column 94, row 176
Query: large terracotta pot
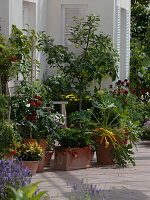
column 32, row 165
column 103, row 154
column 72, row 158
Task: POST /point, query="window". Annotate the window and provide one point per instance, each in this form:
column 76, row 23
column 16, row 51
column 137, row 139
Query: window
column 68, row 12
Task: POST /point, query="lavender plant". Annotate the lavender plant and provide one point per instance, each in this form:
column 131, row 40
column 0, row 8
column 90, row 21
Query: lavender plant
column 12, row 174
column 81, row 191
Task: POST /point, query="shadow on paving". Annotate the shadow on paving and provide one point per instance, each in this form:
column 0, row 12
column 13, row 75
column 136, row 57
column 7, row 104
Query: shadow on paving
column 106, row 194
column 145, row 144
column 64, row 180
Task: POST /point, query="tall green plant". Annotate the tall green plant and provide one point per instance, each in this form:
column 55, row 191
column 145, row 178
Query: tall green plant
column 26, row 43
column 140, row 52
column 97, row 57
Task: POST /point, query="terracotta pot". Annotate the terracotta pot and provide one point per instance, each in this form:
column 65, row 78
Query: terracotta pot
column 43, row 144
column 48, row 156
column 103, row 154
column 72, row 158
column 32, row 165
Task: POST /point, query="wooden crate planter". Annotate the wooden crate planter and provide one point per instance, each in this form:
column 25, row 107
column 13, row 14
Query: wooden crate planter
column 72, row 158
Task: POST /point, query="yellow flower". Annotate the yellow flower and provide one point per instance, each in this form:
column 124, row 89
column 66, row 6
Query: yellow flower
column 101, row 92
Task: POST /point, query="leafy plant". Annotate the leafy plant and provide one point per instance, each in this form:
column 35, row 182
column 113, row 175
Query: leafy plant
column 4, row 108
column 28, row 192
column 29, row 152
column 33, row 121
column 81, row 120
column 8, row 138
column 59, row 87
column 97, row 57
column 104, row 110
column 140, row 54
column 12, row 174
column 8, row 63
column 72, row 138
column 122, row 155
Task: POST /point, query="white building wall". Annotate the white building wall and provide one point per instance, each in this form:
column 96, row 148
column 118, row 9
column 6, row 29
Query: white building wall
column 4, row 16
column 105, row 9
column 47, row 15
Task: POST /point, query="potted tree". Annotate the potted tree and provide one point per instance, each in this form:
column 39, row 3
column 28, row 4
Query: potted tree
column 30, row 154
column 74, row 150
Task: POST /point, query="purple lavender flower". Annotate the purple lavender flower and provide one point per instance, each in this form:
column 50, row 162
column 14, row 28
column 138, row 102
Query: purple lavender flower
column 85, row 191
column 12, row 173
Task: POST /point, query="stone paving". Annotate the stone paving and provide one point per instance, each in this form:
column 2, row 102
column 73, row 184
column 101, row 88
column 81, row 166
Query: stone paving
column 132, row 183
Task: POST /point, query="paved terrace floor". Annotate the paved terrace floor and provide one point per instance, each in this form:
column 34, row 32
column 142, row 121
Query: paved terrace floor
column 131, row 183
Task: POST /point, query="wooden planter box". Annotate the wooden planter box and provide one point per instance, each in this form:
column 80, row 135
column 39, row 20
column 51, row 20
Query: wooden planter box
column 72, row 158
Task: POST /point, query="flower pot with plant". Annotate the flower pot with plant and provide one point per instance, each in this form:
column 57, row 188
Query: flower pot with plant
column 30, row 154
column 111, row 148
column 33, row 122
column 74, row 151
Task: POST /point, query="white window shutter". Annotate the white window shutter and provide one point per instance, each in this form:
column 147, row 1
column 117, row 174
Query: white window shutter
column 127, row 43
column 118, row 32
column 69, row 13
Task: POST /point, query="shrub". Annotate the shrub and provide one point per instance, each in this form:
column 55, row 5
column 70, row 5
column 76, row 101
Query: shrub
column 8, row 138
column 12, row 174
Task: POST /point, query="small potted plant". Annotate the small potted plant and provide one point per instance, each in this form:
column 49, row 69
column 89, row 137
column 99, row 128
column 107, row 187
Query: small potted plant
column 30, row 154
column 74, row 150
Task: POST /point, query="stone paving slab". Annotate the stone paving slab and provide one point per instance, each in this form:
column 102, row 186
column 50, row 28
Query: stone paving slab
column 131, row 183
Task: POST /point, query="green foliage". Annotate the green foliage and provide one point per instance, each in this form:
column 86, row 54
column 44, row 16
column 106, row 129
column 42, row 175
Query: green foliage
column 82, row 120
column 27, row 111
column 122, row 155
column 8, row 62
column 27, row 193
column 145, row 2
column 8, row 137
column 4, row 107
column 104, row 110
column 59, row 87
column 140, row 52
column 73, row 138
column 96, row 60
column 26, row 42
